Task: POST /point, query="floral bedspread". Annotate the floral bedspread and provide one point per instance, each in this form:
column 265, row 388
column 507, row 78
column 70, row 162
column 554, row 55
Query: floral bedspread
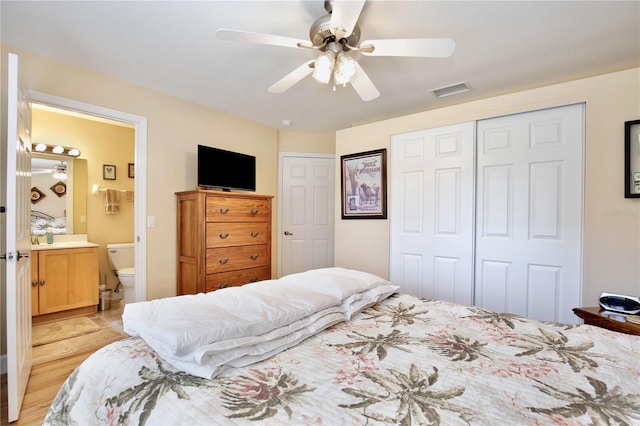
column 402, row 361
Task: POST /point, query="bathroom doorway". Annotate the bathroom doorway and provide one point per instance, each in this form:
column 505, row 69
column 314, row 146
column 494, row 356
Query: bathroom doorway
column 139, row 141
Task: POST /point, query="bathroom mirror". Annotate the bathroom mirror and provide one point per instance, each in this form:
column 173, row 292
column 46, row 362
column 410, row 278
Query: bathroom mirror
column 58, row 202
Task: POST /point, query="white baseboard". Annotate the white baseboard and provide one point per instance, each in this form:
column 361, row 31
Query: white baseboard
column 3, row 364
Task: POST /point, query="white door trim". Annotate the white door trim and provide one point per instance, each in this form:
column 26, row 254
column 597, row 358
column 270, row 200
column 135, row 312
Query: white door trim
column 281, row 157
column 140, row 184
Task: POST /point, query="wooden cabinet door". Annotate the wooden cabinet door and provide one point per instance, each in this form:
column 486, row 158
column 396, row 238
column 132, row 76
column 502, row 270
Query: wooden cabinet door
column 53, row 270
column 35, row 283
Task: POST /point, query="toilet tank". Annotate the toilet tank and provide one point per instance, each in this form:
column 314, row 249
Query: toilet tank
column 120, row 256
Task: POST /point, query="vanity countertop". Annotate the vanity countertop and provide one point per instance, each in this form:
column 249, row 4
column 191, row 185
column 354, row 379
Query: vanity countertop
column 64, row 242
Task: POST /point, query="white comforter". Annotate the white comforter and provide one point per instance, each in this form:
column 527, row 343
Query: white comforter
column 205, row 333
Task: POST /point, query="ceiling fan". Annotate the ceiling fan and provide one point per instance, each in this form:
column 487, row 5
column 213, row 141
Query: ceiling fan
column 334, row 36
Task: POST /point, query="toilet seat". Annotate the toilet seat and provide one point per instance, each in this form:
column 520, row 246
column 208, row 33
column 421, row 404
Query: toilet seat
column 126, row 272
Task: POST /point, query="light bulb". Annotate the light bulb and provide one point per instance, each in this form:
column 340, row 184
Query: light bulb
column 345, row 68
column 323, row 67
column 41, row 147
column 58, row 149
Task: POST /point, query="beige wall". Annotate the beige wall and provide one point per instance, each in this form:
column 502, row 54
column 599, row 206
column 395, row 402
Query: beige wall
column 612, row 222
column 322, row 143
column 99, row 143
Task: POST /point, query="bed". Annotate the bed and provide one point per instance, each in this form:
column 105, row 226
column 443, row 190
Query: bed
column 392, row 359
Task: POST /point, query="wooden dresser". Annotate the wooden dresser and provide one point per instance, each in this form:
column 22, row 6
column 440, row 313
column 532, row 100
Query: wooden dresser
column 224, row 239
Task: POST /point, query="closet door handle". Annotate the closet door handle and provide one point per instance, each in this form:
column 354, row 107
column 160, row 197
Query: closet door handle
column 254, row 256
column 223, row 261
column 34, row 283
column 223, row 236
column 42, row 282
column 254, row 234
column 223, row 211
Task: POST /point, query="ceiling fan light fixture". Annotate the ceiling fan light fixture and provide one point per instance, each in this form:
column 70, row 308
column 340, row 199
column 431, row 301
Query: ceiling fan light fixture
column 323, row 67
column 345, row 68
column 60, row 171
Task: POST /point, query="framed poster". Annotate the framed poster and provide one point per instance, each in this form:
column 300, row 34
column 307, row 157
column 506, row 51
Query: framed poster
column 632, row 159
column 364, row 185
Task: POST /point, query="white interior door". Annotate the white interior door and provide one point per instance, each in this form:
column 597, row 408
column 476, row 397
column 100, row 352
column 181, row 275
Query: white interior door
column 18, row 244
column 529, row 213
column 307, row 212
column 431, row 207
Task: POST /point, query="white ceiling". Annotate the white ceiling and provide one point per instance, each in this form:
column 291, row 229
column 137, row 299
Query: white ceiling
column 170, row 46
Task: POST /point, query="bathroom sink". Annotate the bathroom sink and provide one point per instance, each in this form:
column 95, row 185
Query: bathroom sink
column 63, row 245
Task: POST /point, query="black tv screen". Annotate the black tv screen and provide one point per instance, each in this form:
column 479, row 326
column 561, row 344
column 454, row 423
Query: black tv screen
column 226, row 170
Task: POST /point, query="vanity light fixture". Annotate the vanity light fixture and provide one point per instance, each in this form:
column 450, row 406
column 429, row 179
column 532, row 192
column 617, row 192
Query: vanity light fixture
column 56, row 149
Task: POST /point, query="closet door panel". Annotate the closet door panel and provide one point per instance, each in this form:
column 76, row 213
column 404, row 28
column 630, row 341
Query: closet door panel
column 497, row 194
column 431, row 205
column 529, row 213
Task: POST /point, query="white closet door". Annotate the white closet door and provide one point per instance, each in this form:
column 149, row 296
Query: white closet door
column 431, row 210
column 529, row 213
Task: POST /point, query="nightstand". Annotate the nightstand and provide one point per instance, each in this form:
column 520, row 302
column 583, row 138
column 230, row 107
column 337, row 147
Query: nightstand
column 607, row 319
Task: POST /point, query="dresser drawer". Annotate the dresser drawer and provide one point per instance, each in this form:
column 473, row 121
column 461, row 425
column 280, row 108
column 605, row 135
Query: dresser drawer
column 220, row 209
column 235, row 278
column 231, row 259
column 235, row 234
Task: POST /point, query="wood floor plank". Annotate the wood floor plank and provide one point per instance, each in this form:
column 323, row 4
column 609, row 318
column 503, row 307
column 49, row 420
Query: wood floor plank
column 53, row 363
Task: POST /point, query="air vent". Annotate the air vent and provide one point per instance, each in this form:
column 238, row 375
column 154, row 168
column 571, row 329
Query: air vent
column 452, row 89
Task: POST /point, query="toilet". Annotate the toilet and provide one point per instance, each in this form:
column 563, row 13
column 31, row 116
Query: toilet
column 121, row 262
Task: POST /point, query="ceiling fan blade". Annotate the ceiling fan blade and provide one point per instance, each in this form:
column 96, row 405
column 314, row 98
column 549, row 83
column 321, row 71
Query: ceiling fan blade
column 417, row 47
column 363, row 85
column 292, row 78
column 270, row 39
column 344, row 16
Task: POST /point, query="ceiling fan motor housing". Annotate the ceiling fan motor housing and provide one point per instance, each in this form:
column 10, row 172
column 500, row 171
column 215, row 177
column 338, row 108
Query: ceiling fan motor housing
column 320, row 32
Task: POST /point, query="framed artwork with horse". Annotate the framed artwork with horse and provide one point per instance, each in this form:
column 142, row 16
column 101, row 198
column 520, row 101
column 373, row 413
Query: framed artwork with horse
column 364, row 185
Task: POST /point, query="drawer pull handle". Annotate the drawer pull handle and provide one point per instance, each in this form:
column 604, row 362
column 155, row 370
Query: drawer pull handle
column 223, row 211
column 223, row 261
column 254, row 280
column 42, row 283
column 34, row 283
column 254, row 256
column 223, row 285
column 255, row 234
column 223, row 236
column 255, row 211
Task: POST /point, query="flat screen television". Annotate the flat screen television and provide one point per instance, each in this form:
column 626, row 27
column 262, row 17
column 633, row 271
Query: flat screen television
column 226, row 170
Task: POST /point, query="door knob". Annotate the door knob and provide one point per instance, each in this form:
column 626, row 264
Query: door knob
column 287, row 233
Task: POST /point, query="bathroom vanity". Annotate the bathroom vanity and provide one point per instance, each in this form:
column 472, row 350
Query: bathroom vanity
column 64, row 280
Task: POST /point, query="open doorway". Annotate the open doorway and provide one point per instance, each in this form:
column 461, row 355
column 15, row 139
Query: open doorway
column 138, row 168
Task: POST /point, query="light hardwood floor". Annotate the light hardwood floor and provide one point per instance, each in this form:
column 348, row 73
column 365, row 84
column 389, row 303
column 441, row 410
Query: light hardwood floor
column 53, row 363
